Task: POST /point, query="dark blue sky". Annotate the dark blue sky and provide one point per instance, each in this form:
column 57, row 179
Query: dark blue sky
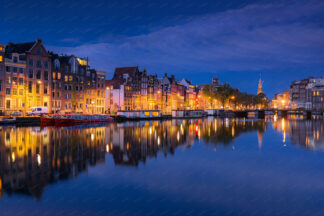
column 237, row 40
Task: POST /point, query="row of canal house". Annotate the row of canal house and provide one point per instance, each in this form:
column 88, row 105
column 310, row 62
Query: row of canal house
column 132, row 89
column 307, row 94
column 30, row 76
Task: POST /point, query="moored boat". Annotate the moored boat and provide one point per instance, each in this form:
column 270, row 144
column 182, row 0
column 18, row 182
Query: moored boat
column 75, row 119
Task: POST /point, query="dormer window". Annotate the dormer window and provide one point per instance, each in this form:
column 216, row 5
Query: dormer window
column 56, row 64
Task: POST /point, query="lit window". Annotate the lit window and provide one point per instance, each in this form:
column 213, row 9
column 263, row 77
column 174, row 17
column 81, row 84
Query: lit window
column 58, row 75
column 1, row 58
column 66, row 78
column 70, row 78
column 53, row 75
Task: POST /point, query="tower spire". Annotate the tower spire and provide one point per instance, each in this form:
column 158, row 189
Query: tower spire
column 260, row 90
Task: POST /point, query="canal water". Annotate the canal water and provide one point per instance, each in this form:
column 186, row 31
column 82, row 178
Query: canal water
column 175, row 167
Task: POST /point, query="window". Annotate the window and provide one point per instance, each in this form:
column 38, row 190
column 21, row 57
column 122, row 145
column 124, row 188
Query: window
column 45, row 104
column 45, row 88
column 37, row 88
column 30, row 73
column 1, row 58
column 8, row 91
column 14, row 91
column 65, row 87
column 66, row 78
column 14, row 80
column 15, row 59
column 58, row 94
column 38, row 64
column 30, row 86
column 8, row 69
column 21, row 81
column 21, row 91
column 70, row 78
column 45, row 75
column 53, row 86
column 58, row 75
column 15, row 70
column 66, row 69
column 21, row 70
column 38, row 74
column 46, row 64
column 31, row 62
column 0, row 85
column 54, row 75
column 8, row 104
column 70, row 87
column 77, row 88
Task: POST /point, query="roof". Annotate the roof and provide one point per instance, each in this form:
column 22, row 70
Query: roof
column 125, row 70
column 19, row 47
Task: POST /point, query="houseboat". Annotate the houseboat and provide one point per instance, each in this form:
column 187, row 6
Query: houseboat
column 74, row 119
column 188, row 114
column 138, row 115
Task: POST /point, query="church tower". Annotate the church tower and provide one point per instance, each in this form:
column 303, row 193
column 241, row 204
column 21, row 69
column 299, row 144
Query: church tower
column 260, row 86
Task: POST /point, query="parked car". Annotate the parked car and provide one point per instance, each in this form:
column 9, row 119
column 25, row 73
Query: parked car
column 38, row 111
column 16, row 114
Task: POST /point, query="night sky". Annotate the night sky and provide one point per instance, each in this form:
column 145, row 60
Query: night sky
column 236, row 40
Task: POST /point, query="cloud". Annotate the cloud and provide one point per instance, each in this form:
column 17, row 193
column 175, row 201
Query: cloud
column 259, row 37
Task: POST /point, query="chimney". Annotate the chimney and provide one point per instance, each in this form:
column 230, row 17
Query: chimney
column 39, row 40
column 165, row 75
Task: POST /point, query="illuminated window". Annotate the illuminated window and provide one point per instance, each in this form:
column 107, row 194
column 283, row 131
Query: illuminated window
column 54, row 75
column 58, row 75
column 147, row 113
column 70, row 78
column 1, row 58
column 66, row 78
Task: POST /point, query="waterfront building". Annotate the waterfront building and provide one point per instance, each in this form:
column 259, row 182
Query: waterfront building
column 30, row 76
column 76, row 88
column 307, row 94
column 281, row 101
column 25, row 82
column 315, row 94
column 297, row 93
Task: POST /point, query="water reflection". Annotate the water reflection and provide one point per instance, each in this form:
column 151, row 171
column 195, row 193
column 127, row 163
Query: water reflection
column 306, row 133
column 34, row 157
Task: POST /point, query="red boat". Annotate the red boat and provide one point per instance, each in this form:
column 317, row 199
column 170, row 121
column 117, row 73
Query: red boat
column 75, row 119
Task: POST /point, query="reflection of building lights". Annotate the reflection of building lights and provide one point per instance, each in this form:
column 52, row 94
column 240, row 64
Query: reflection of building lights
column 150, row 131
column 38, row 159
column 107, row 148
column 158, row 141
column 92, row 137
column 178, row 136
column 233, row 132
column 13, row 157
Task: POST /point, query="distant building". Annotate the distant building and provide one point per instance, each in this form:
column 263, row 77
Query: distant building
column 298, row 93
column 260, row 90
column 281, row 101
column 315, row 94
column 307, row 94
